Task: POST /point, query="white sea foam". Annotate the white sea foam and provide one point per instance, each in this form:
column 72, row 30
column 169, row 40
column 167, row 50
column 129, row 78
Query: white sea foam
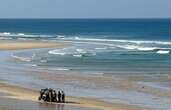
column 8, row 34
column 56, row 52
column 123, row 44
column 5, row 33
column 136, row 47
column 87, row 48
column 27, row 59
column 34, row 65
column 163, row 52
column 5, row 38
column 74, row 51
column 130, row 47
column 23, row 39
column 78, row 55
column 60, row 69
column 110, row 44
column 81, row 51
column 77, row 38
column 100, row 48
column 121, row 41
column 60, row 36
column 146, row 48
column 21, row 34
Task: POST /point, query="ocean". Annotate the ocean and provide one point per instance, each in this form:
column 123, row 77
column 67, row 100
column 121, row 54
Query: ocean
column 105, row 45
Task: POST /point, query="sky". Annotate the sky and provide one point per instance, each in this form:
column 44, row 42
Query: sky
column 85, row 8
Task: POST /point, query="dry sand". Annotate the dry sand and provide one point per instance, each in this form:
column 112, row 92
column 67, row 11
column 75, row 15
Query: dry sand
column 19, row 93
column 15, row 45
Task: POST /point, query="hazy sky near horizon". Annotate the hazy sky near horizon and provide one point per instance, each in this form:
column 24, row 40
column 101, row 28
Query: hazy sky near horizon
column 85, row 9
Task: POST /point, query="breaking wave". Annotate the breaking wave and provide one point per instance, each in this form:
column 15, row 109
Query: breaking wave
column 117, row 40
column 159, row 47
column 86, row 47
column 76, row 38
column 55, row 52
column 163, row 52
column 74, row 51
column 5, row 35
column 98, row 45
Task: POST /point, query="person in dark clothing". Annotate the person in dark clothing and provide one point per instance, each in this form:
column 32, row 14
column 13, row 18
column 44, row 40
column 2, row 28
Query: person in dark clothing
column 42, row 92
column 59, row 96
column 54, row 98
column 44, row 97
column 47, row 98
column 50, row 94
column 63, row 96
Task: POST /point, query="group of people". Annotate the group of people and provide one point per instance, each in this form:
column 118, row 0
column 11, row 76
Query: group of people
column 50, row 95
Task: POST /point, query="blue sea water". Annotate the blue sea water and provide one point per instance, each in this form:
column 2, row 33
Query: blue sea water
column 105, row 45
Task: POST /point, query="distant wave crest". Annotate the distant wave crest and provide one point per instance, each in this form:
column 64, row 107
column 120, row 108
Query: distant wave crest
column 85, row 46
column 24, row 36
column 116, row 40
column 98, row 45
column 76, row 38
column 163, row 52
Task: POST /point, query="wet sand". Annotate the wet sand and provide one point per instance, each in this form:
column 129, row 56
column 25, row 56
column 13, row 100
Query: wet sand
column 15, row 104
column 14, row 94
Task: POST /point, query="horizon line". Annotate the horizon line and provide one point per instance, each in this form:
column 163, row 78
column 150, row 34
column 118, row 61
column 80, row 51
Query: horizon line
column 90, row 18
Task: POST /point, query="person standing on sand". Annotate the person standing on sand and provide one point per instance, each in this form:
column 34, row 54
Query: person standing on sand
column 41, row 94
column 46, row 98
column 63, row 96
column 59, row 96
column 54, row 98
column 50, row 95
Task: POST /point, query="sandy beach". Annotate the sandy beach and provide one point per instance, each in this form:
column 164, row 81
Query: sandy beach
column 24, row 94
column 15, row 45
column 19, row 93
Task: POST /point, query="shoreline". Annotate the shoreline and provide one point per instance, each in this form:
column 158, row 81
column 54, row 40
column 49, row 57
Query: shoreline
column 119, row 85
column 25, row 94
